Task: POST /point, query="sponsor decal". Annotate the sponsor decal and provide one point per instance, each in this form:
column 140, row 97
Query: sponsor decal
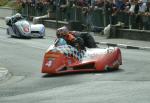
column 69, row 62
column 26, row 29
column 53, row 55
column 49, row 63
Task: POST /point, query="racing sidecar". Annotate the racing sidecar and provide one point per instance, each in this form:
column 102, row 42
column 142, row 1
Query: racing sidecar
column 65, row 58
column 22, row 28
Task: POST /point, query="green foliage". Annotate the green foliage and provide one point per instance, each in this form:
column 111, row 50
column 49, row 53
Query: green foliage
column 11, row 4
column 3, row 2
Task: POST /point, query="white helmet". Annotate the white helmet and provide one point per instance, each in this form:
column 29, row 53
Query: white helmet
column 18, row 15
column 7, row 19
column 63, row 30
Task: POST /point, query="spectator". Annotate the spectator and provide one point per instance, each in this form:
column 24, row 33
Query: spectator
column 81, row 3
column 23, row 3
column 146, row 23
column 50, row 12
column 52, row 9
column 52, row 4
column 87, row 10
column 19, row 5
column 71, row 4
column 33, row 2
column 39, row 7
column 63, row 5
column 112, row 9
column 120, row 5
column 127, row 7
column 140, row 9
column 132, row 7
column 99, row 4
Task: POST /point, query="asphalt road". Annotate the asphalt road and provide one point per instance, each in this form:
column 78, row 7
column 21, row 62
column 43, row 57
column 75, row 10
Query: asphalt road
column 23, row 58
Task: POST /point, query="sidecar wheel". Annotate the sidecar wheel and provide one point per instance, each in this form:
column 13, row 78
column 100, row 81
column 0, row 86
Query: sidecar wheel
column 40, row 37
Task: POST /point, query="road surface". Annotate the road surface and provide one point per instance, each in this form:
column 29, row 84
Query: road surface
column 23, row 58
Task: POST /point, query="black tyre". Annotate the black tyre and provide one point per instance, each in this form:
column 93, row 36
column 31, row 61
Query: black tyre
column 41, row 37
column 112, row 68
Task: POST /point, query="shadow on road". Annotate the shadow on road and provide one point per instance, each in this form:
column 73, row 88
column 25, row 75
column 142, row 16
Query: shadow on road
column 24, row 38
column 80, row 73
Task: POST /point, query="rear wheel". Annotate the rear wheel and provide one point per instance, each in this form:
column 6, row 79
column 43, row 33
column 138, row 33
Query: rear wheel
column 12, row 36
column 40, row 37
column 116, row 67
column 26, row 37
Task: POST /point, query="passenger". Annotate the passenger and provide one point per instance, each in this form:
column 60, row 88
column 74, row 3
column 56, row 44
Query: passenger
column 89, row 41
column 13, row 19
column 8, row 21
column 16, row 17
column 76, row 42
column 76, row 39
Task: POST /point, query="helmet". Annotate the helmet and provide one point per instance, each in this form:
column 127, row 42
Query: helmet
column 7, row 19
column 18, row 15
column 62, row 31
column 61, row 42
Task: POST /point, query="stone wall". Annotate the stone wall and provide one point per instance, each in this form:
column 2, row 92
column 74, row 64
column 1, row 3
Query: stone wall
column 133, row 34
column 6, row 12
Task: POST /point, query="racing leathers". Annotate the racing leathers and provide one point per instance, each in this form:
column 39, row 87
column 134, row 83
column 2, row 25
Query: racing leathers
column 10, row 21
column 80, row 40
column 86, row 37
column 13, row 19
column 76, row 42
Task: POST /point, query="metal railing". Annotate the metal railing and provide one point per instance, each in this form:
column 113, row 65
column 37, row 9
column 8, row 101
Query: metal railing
column 96, row 18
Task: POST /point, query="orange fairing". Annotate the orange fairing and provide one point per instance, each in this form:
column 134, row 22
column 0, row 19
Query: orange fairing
column 54, row 61
column 50, row 62
column 111, row 59
column 93, row 60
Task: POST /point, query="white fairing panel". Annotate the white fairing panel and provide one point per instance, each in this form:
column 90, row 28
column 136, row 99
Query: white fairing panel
column 24, row 27
column 38, row 28
column 90, row 54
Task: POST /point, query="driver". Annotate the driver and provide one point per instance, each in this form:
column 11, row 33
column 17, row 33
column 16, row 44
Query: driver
column 82, row 39
column 76, row 42
column 13, row 19
column 16, row 17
